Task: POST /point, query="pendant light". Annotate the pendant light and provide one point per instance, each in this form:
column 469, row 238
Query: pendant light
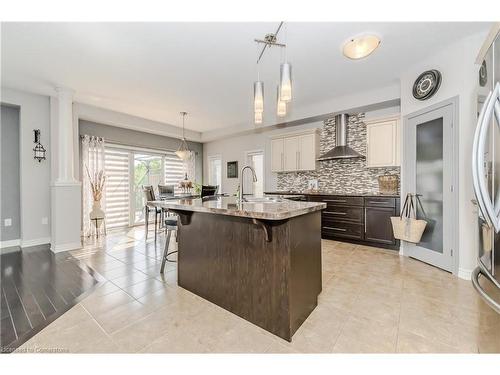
column 183, row 151
column 286, row 75
column 258, row 96
column 258, row 118
column 280, row 104
column 286, row 82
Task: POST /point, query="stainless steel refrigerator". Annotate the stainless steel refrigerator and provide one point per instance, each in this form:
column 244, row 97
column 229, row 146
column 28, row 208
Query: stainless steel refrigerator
column 486, row 173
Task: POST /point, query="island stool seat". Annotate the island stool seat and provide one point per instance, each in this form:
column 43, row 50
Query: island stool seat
column 170, row 225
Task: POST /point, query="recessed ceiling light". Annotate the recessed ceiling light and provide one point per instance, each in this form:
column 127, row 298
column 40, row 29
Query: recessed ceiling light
column 362, row 46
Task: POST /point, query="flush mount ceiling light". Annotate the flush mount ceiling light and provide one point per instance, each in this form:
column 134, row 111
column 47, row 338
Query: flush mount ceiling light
column 361, row 46
column 183, row 151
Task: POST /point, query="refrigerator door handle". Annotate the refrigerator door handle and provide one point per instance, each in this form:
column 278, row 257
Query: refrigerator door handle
column 475, row 282
column 489, row 210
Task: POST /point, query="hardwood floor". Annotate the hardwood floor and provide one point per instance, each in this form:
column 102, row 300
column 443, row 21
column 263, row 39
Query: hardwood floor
column 37, row 286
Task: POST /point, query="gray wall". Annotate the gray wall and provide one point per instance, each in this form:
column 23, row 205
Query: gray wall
column 10, row 173
column 140, row 139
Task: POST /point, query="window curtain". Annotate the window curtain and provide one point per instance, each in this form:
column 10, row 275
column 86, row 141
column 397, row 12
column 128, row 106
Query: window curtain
column 93, row 161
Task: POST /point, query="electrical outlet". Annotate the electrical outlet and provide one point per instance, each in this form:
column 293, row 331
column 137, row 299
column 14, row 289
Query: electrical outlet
column 8, row 222
column 45, row 220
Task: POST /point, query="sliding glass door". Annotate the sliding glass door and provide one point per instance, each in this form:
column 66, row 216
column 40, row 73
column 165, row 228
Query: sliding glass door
column 127, row 170
column 148, row 170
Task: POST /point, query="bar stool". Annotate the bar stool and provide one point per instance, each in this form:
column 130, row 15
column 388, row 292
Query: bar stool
column 170, row 225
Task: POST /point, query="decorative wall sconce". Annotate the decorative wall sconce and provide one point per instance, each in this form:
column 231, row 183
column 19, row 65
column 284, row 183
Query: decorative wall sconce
column 39, row 150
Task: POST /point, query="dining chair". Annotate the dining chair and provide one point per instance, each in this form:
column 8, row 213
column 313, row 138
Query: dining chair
column 149, row 196
column 165, row 190
column 209, row 190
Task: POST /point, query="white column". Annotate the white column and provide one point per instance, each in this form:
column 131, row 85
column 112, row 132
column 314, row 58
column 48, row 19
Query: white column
column 66, row 197
column 65, row 166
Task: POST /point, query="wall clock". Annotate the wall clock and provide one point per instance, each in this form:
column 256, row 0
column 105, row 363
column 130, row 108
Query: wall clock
column 427, row 84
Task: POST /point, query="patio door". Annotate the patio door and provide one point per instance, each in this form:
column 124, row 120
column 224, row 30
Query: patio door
column 147, row 170
column 429, row 151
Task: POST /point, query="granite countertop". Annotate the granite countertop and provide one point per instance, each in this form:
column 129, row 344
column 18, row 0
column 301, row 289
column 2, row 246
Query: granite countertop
column 281, row 210
column 368, row 194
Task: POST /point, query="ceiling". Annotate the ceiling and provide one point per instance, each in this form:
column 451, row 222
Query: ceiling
column 155, row 70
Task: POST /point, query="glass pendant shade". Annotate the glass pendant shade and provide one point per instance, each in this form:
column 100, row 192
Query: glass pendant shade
column 258, row 96
column 281, row 105
column 286, row 82
column 183, row 151
column 258, row 117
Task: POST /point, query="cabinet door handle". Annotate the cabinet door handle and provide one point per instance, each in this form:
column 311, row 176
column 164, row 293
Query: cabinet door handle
column 335, row 213
column 282, row 164
column 365, row 220
column 333, row 228
column 335, row 200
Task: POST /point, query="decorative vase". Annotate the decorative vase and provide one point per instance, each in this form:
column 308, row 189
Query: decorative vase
column 97, row 212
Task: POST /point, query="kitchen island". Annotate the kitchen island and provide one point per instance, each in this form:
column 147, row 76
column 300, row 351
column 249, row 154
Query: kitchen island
column 260, row 260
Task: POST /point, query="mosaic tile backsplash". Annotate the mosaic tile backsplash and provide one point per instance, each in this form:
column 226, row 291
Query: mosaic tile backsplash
column 342, row 176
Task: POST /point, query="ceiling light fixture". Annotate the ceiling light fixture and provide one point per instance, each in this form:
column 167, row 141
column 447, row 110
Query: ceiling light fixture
column 285, row 84
column 183, row 151
column 362, row 46
column 258, row 96
column 281, row 104
column 258, row 118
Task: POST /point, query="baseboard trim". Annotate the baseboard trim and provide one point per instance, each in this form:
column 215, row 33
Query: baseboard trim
column 65, row 247
column 10, row 243
column 464, row 274
column 35, row 242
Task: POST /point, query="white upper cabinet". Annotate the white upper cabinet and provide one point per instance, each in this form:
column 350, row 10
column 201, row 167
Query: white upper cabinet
column 382, row 143
column 277, row 157
column 291, row 154
column 294, row 152
column 307, row 152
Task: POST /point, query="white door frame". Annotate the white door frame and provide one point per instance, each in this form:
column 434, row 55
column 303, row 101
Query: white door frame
column 215, row 157
column 257, row 151
column 454, row 102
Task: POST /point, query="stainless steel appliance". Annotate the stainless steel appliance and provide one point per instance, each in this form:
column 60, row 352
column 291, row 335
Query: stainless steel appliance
column 341, row 149
column 486, row 173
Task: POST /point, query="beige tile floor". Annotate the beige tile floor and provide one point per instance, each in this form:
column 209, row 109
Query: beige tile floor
column 372, row 301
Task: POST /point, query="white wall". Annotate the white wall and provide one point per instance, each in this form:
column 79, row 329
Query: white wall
column 35, row 176
column 459, row 78
column 349, row 103
column 235, row 148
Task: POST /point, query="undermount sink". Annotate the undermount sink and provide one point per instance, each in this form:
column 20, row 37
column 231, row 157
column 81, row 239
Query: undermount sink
column 263, row 199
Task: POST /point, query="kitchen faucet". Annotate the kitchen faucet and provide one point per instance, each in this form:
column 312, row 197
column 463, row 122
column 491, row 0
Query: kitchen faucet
column 254, row 176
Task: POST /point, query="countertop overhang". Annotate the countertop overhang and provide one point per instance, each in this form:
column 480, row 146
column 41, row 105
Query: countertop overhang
column 282, row 210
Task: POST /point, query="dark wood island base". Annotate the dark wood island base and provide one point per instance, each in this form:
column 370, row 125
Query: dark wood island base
column 266, row 271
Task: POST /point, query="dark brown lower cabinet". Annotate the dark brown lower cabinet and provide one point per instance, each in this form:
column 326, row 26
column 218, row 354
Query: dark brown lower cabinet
column 378, row 226
column 359, row 219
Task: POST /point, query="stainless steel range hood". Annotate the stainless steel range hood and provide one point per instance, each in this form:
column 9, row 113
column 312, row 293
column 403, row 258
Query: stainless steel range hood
column 341, row 150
